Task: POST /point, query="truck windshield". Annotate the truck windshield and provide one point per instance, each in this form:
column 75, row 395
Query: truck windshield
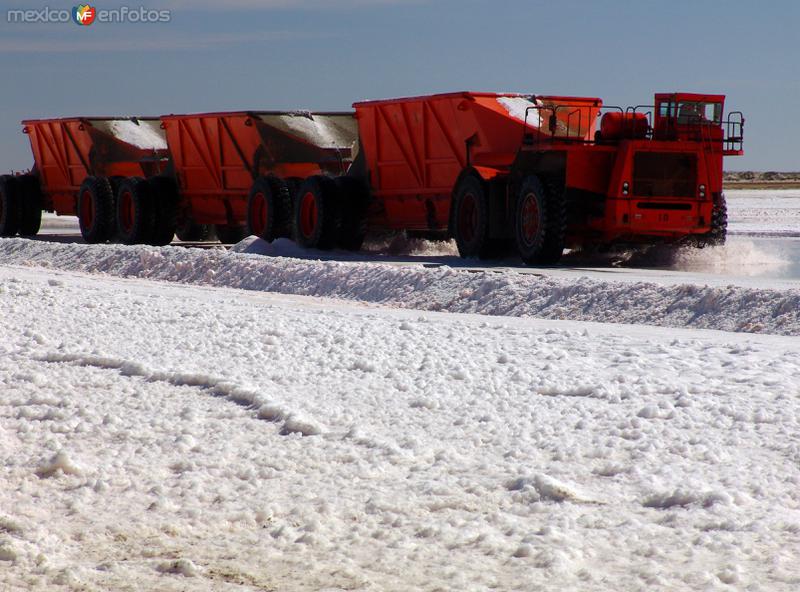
column 693, row 112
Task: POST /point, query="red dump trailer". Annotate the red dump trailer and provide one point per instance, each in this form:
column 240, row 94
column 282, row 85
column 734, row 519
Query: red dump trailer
column 79, row 164
column 237, row 170
column 139, row 179
column 493, row 169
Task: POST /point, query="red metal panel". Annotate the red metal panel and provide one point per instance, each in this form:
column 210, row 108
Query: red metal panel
column 631, row 217
column 217, row 156
column 416, row 148
column 68, row 150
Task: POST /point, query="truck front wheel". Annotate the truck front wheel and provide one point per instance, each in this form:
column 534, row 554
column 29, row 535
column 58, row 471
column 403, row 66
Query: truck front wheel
column 719, row 223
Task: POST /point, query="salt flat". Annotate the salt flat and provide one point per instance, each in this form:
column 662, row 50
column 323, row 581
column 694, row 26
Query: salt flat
column 195, row 420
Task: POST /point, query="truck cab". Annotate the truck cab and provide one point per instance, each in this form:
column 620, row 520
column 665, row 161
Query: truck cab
column 696, row 117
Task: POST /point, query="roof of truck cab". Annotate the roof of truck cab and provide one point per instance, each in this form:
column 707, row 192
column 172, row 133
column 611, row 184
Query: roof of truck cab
column 692, row 97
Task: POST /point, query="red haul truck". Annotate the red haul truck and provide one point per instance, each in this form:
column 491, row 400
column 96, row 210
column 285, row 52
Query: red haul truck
column 489, row 169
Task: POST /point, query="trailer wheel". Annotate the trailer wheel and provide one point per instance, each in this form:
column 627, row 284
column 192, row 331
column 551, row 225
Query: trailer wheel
column 540, row 222
column 96, row 210
column 269, row 208
column 353, row 198
column 230, row 235
column 189, row 231
column 135, row 211
column 10, row 205
column 317, row 215
column 32, row 204
column 470, row 218
column 115, row 182
column 165, row 201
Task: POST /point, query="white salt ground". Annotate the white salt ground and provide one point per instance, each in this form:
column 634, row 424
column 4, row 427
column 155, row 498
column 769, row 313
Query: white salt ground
column 755, row 306
column 165, row 437
column 157, row 436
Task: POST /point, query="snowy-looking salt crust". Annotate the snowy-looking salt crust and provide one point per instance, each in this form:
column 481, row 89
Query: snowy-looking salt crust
column 729, row 308
column 159, row 436
column 144, row 445
column 522, row 109
column 325, row 131
column 143, row 134
column 764, row 212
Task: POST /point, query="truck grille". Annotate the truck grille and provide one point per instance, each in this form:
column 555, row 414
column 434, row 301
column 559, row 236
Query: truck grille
column 664, row 174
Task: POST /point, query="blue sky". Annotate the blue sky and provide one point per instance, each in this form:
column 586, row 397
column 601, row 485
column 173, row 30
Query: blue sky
column 325, row 54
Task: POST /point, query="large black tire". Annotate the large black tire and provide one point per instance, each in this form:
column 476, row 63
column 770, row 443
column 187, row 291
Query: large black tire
column 719, row 223
column 10, row 205
column 469, row 220
column 165, row 201
column 317, row 215
column 32, row 203
column 540, row 222
column 230, row 235
column 96, row 212
column 189, row 231
column 269, row 209
column 136, row 215
column 353, row 199
column 115, row 182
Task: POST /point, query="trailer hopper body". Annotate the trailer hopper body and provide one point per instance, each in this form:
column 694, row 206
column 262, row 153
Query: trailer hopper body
column 218, row 156
column 66, row 151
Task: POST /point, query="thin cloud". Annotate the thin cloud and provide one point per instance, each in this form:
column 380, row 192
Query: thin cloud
column 172, row 42
column 216, row 5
